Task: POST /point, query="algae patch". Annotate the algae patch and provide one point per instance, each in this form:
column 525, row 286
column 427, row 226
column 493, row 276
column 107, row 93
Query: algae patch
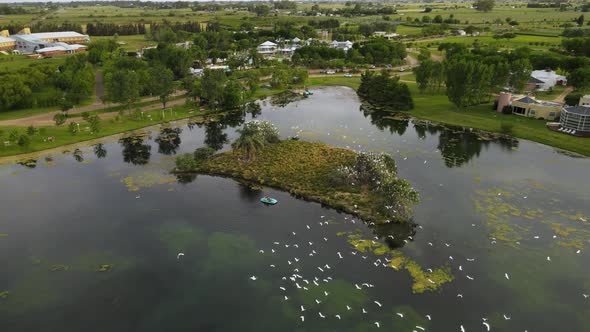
column 423, row 281
column 146, row 180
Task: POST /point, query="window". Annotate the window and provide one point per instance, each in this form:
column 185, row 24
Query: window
column 552, row 114
column 532, row 112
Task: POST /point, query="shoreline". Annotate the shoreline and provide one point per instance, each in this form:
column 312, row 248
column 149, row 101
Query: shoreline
column 579, row 153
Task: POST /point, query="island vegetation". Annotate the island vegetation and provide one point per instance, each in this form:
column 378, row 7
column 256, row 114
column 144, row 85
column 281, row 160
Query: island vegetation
column 360, row 183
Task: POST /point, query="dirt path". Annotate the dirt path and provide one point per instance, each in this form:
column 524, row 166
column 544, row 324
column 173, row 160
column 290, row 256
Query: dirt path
column 46, row 119
column 561, row 97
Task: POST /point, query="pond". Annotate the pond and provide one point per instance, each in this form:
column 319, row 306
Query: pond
column 90, row 238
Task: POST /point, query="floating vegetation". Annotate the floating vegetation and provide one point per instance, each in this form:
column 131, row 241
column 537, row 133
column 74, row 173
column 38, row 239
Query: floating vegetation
column 58, row 267
column 29, row 163
column 146, row 180
column 287, row 97
column 4, row 295
column 104, row 268
column 35, row 260
column 3, row 235
column 510, row 222
column 422, row 281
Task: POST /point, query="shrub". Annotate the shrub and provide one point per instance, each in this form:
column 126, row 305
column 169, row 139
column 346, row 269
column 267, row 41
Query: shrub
column 203, row 153
column 31, row 130
column 94, row 122
column 73, row 128
column 186, row 162
column 60, row 118
column 24, row 140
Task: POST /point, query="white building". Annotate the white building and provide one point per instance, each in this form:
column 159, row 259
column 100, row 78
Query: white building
column 584, row 101
column 267, row 48
column 461, row 33
column 346, row 45
column 28, row 43
column 547, row 79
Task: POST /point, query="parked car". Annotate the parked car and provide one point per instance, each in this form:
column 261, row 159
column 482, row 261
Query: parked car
column 330, row 72
column 372, row 67
column 401, row 69
column 347, row 75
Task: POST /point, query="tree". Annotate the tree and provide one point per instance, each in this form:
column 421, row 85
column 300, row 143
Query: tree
column 212, row 85
column 122, row 86
column 520, row 73
column 161, row 83
column 580, row 78
column 94, row 123
column 60, row 118
column 385, row 92
column 485, row 5
column 249, row 143
column 13, row 91
column 261, row 10
column 580, row 20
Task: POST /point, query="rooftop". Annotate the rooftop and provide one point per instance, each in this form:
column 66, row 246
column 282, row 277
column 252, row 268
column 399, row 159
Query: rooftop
column 268, row 43
column 58, row 34
column 582, row 110
column 5, row 40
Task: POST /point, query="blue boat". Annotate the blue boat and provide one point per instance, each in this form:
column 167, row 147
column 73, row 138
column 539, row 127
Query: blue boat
column 268, row 200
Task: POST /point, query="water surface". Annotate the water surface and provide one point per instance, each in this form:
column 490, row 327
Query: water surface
column 489, row 208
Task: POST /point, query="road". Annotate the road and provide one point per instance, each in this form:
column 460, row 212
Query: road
column 46, row 119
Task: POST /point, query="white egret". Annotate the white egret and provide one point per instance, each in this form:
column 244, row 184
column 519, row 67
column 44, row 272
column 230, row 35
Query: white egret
column 357, row 286
column 462, row 328
column 302, row 318
column 302, row 309
column 420, row 328
column 253, row 278
column 348, row 308
column 470, row 278
column 506, row 317
column 318, row 301
column 364, row 311
column 337, row 316
column 377, row 324
column 377, row 303
column 487, row 325
column 283, row 288
column 321, row 315
column 180, row 254
column 507, row 276
column 428, row 316
column 400, row 314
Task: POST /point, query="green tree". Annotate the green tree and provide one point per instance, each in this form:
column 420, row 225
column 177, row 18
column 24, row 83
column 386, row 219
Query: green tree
column 212, row 85
column 580, row 20
column 161, row 83
column 580, row 78
column 60, row 118
column 520, row 73
column 95, row 123
column 122, row 86
column 485, row 5
column 248, row 143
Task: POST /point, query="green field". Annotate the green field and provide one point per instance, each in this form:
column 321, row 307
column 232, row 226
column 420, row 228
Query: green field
column 10, row 63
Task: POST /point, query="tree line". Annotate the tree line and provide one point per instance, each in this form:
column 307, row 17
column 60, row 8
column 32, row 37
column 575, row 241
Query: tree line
column 385, row 92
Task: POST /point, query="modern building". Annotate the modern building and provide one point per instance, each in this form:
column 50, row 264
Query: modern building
column 267, row 48
column 575, row 120
column 26, row 42
column 60, row 49
column 538, row 109
column 543, row 80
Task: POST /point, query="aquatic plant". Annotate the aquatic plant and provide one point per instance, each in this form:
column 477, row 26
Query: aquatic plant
column 58, row 267
column 422, row 281
column 104, row 268
column 4, row 295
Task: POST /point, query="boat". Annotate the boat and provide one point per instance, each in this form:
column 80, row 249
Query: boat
column 269, row 200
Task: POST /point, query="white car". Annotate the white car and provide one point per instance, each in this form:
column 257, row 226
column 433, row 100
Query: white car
column 330, row 72
column 347, row 75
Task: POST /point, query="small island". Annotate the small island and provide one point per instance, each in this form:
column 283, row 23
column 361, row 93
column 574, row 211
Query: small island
column 363, row 184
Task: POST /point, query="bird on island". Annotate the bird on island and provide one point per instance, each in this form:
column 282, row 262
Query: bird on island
column 326, row 293
column 272, row 265
column 261, row 251
column 579, row 251
column 302, row 309
column 286, row 298
column 302, row 318
column 471, row 259
column 377, row 303
column 253, row 278
column 321, row 315
column 283, row 288
column 180, row 254
column 428, row 317
column 470, row 278
column 462, row 328
column 138, row 197
column 506, row 317
column 548, row 259
column 460, row 268
column 585, row 296
column 507, row 276
column 460, row 295
column 338, row 316
column 348, row 308
column 487, row 325
column 364, row 311
column 400, row 314
column 377, row 324
column 318, row 301
column 420, row 328
column 339, row 255
column 308, row 227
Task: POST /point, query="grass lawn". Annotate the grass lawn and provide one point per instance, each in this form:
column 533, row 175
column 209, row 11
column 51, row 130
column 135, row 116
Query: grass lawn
column 108, row 127
column 438, row 108
column 10, row 63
